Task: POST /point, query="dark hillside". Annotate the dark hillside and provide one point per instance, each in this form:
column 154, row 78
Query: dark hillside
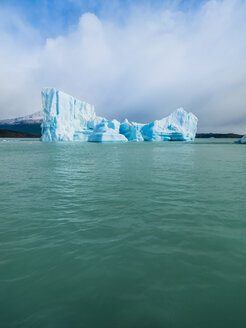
column 16, row 134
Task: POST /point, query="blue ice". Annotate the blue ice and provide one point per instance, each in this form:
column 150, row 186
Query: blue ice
column 70, row 119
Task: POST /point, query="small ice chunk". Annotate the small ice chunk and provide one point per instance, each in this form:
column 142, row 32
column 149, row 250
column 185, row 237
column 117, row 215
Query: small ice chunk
column 107, row 131
column 243, row 140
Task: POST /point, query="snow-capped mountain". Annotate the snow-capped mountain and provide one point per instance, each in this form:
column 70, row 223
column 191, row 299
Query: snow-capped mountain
column 35, row 118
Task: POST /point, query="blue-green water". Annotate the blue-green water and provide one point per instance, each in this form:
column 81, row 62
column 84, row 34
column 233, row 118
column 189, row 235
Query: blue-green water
column 122, row 235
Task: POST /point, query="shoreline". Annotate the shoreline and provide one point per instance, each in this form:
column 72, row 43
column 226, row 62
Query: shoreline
column 6, row 133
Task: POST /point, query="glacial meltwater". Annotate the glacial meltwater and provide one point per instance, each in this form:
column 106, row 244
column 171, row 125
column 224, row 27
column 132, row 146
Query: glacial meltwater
column 134, row 235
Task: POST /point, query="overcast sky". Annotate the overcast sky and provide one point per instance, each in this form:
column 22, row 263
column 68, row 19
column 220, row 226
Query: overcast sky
column 134, row 59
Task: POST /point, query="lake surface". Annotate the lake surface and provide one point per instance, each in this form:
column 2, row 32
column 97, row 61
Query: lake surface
column 122, row 235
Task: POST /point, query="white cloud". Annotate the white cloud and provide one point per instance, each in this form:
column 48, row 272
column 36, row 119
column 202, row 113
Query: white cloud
column 142, row 69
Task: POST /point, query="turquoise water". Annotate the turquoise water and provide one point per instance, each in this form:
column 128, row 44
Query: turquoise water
column 122, row 235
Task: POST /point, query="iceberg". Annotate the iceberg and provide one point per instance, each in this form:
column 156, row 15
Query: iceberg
column 68, row 119
column 178, row 126
column 107, row 131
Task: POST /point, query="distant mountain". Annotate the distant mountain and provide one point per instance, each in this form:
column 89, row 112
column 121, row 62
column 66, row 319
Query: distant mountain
column 27, row 124
column 35, row 118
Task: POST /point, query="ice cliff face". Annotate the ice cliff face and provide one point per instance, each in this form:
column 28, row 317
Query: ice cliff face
column 66, row 118
column 69, row 119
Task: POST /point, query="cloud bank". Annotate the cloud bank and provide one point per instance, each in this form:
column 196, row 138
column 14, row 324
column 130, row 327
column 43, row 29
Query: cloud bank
column 141, row 68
